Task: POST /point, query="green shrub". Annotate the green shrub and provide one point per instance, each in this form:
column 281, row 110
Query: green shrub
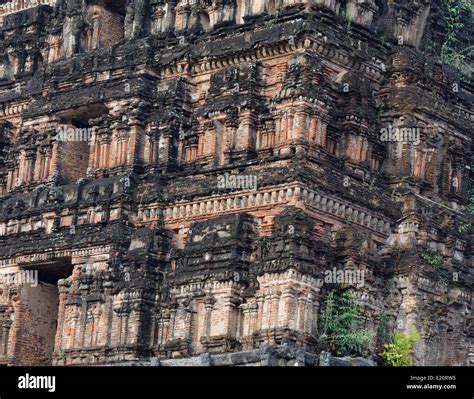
column 470, row 206
column 433, row 258
column 399, row 352
column 347, row 22
column 338, row 331
column 464, row 227
column 453, row 51
column 383, row 335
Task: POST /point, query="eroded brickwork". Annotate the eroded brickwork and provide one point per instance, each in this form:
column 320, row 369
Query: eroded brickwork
column 183, row 174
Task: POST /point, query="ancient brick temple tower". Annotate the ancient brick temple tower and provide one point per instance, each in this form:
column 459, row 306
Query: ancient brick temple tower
column 182, row 173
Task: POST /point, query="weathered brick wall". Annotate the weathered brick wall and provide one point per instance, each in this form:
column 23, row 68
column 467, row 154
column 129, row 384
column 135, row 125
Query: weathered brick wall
column 73, row 160
column 168, row 261
column 32, row 337
column 108, row 26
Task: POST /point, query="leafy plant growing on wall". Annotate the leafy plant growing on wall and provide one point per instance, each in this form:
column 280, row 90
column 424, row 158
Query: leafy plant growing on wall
column 452, row 50
column 435, row 260
column 273, row 20
column 62, row 355
column 383, row 335
column 338, row 331
column 347, row 22
column 399, row 352
column 465, row 228
column 470, row 207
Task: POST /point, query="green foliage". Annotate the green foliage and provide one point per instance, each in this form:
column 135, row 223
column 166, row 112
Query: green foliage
column 399, row 352
column 452, row 50
column 381, row 109
column 382, row 330
column 338, row 326
column 470, row 207
column 463, row 227
column 347, row 21
column 62, row 355
column 273, row 20
column 433, row 258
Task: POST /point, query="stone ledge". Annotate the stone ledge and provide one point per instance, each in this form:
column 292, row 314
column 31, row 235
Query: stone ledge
column 267, row 355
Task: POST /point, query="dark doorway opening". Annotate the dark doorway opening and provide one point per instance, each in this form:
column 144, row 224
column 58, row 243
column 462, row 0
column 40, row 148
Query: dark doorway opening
column 38, row 316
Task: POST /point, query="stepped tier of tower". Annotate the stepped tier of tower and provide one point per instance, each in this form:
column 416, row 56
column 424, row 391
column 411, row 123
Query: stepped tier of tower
column 182, row 177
